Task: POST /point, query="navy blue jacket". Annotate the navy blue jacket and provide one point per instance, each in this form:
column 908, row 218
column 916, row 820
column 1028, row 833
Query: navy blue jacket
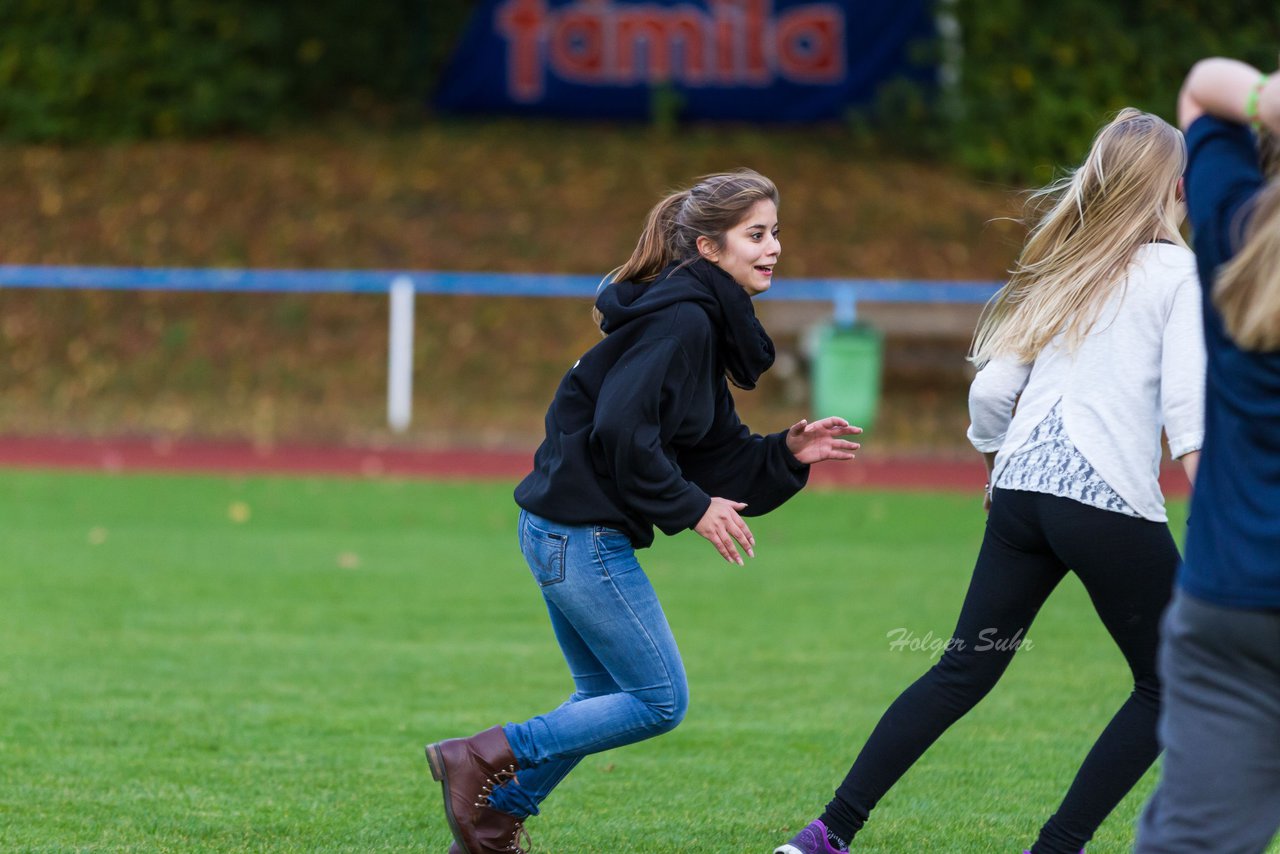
column 643, row 430
column 1233, row 538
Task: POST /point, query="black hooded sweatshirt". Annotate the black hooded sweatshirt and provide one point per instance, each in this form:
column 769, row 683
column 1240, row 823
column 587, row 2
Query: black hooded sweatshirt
column 643, row 431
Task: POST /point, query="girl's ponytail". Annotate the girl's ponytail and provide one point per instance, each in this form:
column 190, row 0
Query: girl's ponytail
column 653, row 250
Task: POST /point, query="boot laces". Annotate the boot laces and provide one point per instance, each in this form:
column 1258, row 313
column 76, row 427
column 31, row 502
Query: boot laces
column 520, row 841
column 493, row 782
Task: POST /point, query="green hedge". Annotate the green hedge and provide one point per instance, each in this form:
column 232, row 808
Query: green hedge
column 1039, row 78
column 102, row 69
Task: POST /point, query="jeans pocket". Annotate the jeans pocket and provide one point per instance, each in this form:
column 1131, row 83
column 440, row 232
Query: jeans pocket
column 614, row 551
column 544, row 551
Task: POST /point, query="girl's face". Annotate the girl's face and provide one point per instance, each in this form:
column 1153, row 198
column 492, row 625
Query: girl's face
column 751, row 248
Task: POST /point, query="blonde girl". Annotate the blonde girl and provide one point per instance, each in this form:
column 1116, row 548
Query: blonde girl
column 1096, row 338
column 642, row 433
column 1219, row 788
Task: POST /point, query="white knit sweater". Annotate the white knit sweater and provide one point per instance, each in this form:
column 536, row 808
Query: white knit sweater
column 1140, row 369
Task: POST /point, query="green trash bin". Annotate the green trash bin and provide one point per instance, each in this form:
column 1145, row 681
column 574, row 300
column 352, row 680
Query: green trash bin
column 846, row 373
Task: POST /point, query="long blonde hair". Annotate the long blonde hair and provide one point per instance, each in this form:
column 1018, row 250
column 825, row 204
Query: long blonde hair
column 1247, row 290
column 1085, row 230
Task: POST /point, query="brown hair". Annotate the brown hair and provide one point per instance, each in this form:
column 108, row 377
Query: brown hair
column 710, row 208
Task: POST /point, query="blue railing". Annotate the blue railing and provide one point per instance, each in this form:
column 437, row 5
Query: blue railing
column 402, row 285
column 457, row 283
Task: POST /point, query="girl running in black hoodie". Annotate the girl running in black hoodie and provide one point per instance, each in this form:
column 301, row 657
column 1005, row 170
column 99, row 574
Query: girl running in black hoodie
column 642, row 432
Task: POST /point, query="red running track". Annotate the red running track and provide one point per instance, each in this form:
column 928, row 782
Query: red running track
column 147, row 455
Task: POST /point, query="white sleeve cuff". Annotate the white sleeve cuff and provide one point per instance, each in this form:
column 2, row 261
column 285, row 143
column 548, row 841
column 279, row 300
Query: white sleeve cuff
column 1180, row 446
column 982, row 444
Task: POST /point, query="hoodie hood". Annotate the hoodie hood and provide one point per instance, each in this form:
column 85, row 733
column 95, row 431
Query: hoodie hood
column 744, row 346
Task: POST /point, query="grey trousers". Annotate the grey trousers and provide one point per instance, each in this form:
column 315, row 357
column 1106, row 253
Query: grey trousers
column 1219, row 790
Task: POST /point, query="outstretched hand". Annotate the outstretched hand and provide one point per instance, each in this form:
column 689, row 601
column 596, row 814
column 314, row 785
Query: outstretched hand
column 817, row 441
column 722, row 525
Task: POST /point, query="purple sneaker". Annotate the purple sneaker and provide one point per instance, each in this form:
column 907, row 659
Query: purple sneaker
column 811, row 840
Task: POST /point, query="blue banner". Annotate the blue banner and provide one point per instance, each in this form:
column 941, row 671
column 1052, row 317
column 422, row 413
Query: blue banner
column 757, row 60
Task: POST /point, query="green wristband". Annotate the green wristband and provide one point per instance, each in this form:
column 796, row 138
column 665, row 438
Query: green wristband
column 1251, row 104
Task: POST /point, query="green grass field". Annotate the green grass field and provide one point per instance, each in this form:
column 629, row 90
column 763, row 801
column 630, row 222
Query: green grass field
column 253, row 664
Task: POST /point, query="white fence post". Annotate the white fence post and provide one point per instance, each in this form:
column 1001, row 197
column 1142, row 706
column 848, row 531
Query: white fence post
column 846, row 306
column 400, row 356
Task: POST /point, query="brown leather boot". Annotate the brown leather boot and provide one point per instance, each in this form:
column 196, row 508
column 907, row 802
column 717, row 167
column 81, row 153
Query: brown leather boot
column 469, row 769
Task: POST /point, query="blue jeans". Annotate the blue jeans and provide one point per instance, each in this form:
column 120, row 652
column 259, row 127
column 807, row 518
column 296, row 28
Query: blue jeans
column 629, row 679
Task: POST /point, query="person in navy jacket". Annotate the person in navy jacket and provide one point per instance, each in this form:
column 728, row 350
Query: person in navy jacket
column 642, row 433
column 1219, row 788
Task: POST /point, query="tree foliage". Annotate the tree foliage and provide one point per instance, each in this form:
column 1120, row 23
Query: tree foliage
column 1035, row 82
column 73, row 70
column 1038, row 79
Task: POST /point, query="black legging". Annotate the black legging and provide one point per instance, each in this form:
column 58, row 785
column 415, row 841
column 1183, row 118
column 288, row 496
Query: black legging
column 1126, row 564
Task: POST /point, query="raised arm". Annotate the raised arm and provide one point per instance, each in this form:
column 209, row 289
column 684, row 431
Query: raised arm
column 1231, row 90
